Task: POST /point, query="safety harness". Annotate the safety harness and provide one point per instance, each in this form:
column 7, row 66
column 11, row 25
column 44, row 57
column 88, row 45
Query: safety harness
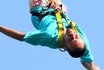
column 60, row 29
column 58, row 15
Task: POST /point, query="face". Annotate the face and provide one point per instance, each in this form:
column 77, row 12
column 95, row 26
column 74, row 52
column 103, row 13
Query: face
column 70, row 36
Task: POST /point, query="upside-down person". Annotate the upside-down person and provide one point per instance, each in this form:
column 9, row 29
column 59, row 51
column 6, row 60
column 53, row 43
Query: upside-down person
column 55, row 30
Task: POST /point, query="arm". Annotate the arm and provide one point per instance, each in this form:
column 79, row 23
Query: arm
column 90, row 66
column 12, row 33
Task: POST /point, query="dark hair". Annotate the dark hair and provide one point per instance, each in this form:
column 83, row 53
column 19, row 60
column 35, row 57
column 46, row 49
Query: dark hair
column 77, row 52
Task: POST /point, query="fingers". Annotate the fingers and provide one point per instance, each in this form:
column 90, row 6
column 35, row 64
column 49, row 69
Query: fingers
column 97, row 68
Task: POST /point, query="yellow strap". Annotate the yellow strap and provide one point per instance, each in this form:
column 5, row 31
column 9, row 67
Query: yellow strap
column 60, row 28
column 73, row 26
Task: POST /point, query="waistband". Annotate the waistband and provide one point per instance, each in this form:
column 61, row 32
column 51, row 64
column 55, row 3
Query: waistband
column 42, row 14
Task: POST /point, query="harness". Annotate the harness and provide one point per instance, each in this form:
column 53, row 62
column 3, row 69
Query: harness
column 42, row 14
column 59, row 14
column 60, row 29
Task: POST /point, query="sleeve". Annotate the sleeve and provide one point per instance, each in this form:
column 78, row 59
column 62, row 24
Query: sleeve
column 40, row 37
column 87, row 57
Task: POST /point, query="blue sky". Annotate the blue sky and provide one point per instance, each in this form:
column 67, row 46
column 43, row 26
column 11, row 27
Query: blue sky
column 15, row 55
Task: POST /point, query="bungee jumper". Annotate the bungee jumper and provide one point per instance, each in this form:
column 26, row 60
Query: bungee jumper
column 55, row 30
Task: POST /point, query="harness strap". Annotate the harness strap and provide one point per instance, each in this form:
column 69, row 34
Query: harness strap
column 42, row 14
column 73, row 26
column 60, row 28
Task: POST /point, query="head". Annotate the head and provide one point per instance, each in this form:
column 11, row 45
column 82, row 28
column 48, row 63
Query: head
column 74, row 43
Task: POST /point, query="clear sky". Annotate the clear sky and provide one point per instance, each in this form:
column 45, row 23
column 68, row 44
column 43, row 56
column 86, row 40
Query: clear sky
column 16, row 55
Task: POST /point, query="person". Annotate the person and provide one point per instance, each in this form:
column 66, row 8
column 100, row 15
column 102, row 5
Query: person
column 69, row 37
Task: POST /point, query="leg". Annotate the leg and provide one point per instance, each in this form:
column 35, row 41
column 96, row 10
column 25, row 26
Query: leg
column 12, row 33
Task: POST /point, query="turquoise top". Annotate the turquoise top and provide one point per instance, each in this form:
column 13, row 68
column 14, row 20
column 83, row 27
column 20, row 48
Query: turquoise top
column 47, row 33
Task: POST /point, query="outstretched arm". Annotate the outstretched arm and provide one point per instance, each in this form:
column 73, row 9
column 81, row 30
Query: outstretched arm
column 90, row 66
column 12, row 33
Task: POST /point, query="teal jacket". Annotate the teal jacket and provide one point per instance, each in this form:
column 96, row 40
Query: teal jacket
column 47, row 33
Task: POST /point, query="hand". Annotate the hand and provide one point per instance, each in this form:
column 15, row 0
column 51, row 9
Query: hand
column 90, row 66
column 97, row 68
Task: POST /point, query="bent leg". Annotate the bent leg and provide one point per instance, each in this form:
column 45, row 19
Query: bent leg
column 12, row 33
